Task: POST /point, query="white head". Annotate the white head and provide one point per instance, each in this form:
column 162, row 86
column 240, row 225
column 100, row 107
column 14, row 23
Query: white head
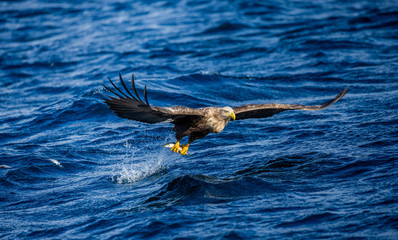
column 227, row 113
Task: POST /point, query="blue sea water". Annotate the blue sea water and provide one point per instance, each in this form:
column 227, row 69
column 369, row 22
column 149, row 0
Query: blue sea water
column 73, row 169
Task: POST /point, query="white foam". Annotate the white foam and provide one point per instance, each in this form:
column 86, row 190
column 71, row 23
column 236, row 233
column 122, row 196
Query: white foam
column 55, row 162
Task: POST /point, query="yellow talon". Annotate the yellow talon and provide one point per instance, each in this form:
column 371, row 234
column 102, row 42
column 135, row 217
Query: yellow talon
column 176, row 147
column 184, row 149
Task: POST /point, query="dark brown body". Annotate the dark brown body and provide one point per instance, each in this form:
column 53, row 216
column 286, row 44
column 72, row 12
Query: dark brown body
column 197, row 127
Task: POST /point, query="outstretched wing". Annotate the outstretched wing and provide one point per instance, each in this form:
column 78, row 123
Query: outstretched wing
column 267, row 110
column 127, row 105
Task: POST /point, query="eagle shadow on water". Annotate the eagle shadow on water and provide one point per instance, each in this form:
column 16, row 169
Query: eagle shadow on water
column 191, row 122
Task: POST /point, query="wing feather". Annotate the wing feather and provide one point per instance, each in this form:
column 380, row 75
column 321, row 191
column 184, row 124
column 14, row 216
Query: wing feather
column 146, row 96
column 125, row 87
column 267, row 110
column 132, row 107
column 132, row 84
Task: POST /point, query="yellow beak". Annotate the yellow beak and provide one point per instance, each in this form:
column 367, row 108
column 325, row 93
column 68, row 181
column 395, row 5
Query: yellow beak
column 232, row 115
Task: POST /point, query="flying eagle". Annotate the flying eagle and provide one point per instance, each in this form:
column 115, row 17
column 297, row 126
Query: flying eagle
column 194, row 123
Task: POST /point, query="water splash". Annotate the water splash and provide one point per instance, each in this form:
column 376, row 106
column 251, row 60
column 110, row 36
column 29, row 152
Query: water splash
column 135, row 167
column 132, row 173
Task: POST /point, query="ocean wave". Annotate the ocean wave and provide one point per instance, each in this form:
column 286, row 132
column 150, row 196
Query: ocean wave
column 194, row 189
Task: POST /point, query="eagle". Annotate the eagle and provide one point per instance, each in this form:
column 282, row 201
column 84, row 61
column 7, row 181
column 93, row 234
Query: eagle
column 191, row 122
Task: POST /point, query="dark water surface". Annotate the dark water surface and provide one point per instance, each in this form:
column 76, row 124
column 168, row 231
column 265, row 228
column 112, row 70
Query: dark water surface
column 298, row 174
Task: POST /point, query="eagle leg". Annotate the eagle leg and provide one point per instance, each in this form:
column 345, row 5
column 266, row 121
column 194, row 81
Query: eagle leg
column 184, row 149
column 176, row 147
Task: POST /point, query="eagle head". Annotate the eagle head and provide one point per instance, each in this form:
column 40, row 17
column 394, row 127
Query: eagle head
column 227, row 113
